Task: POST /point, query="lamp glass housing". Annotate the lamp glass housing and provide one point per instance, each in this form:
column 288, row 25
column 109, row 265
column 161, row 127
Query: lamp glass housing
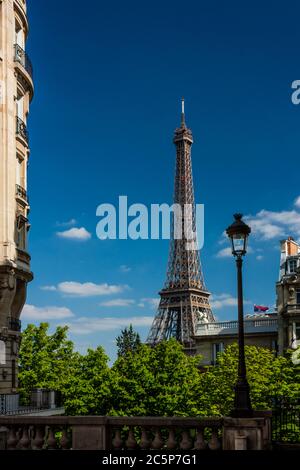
column 239, row 244
column 238, row 233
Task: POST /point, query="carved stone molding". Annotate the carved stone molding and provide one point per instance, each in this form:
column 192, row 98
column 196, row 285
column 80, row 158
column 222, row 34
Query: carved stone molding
column 7, row 290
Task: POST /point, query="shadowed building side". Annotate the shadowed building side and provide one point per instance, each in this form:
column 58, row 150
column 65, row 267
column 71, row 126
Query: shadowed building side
column 16, row 92
column 288, row 296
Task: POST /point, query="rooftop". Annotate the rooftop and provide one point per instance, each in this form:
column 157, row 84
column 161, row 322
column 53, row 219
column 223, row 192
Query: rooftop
column 252, row 324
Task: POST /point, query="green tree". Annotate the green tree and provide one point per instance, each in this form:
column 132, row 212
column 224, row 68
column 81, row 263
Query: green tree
column 144, row 380
column 164, row 381
column 267, row 376
column 88, row 389
column 159, row 381
column 45, row 360
column 128, row 341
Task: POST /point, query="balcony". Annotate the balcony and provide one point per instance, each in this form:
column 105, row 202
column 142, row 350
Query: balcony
column 24, row 257
column 22, row 4
column 14, row 324
column 22, row 58
column 292, row 307
column 21, row 129
column 42, row 402
column 21, row 8
column 21, row 193
column 260, row 325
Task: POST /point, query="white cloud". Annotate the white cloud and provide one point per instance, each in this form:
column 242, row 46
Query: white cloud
column 223, row 239
column 224, row 300
column 85, row 325
column 79, row 234
column 259, row 257
column 89, row 289
column 152, row 302
column 268, row 225
column 124, row 268
column 69, row 223
column 31, row 312
column 224, row 253
column 48, row 288
column 118, row 303
column 227, row 252
column 297, row 202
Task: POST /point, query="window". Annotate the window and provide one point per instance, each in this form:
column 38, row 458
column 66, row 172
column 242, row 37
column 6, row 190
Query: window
column 292, row 266
column 274, row 346
column 18, row 172
column 20, row 107
column 13, row 374
column 298, row 296
column 297, row 331
column 2, row 353
column 21, row 232
column 295, row 340
column 20, row 38
column 21, row 172
column 217, row 349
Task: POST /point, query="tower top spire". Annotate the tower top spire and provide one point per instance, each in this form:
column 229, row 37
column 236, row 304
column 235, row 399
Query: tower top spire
column 182, row 132
column 182, row 113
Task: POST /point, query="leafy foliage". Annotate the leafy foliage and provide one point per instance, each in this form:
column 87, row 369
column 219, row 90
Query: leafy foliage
column 160, row 381
column 156, row 381
column 128, row 341
column 267, row 376
column 46, row 360
column 87, row 390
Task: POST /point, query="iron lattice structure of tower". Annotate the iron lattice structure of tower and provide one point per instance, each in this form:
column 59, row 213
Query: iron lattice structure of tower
column 184, row 300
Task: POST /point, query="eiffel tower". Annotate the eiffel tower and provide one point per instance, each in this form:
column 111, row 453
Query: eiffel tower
column 184, row 300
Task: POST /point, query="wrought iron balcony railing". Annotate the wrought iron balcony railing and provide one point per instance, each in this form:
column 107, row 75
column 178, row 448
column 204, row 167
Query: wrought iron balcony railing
column 21, row 192
column 9, row 403
column 41, row 399
column 14, row 324
column 21, row 129
column 22, row 57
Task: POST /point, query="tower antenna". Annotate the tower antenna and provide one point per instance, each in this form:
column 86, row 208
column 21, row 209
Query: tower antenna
column 182, row 112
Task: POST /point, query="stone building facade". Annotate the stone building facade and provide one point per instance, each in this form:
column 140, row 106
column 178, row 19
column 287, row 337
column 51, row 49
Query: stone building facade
column 276, row 331
column 288, row 296
column 16, row 92
column 213, row 338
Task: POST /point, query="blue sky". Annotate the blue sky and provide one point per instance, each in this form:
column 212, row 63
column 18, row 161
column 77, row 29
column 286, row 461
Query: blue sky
column 108, row 83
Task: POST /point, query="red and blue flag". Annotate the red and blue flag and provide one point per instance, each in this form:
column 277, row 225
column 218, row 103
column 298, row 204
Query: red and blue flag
column 261, row 308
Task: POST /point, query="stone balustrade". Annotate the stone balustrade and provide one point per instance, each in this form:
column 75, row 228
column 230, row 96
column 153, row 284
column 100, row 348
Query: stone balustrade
column 251, row 325
column 135, row 433
column 166, row 433
column 113, row 433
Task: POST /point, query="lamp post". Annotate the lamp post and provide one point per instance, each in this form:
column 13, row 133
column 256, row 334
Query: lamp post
column 238, row 233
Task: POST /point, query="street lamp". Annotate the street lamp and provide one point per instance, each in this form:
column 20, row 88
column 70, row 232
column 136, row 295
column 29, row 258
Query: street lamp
column 238, row 233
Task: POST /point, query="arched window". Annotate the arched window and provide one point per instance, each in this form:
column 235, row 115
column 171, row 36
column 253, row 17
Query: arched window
column 2, row 353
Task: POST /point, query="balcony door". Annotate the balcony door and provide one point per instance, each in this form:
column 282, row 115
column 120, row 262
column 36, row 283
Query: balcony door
column 20, row 107
column 20, row 38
